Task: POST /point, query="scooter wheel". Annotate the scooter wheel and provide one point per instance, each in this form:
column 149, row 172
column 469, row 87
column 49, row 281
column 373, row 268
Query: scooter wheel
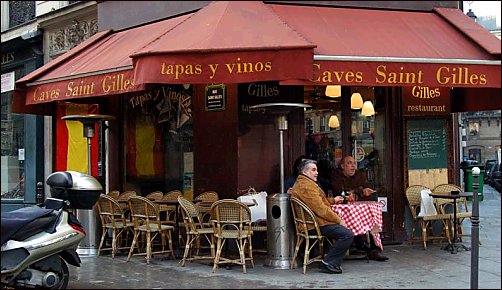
column 64, row 276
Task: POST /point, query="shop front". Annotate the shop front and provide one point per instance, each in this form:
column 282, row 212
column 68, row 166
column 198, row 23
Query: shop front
column 181, row 99
column 22, row 163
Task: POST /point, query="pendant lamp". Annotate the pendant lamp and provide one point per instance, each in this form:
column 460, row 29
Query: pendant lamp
column 333, row 122
column 368, row 109
column 333, row 91
column 356, row 101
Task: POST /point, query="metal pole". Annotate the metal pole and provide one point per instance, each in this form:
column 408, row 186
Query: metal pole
column 355, row 151
column 475, row 230
column 89, row 167
column 281, row 144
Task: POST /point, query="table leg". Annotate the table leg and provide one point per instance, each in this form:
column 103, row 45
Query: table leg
column 454, row 248
column 456, row 244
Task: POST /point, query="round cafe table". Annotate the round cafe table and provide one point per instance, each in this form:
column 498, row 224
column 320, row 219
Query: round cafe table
column 362, row 217
column 456, row 244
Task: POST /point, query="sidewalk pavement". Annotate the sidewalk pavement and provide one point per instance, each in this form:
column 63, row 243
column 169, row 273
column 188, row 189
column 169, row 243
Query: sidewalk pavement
column 409, row 267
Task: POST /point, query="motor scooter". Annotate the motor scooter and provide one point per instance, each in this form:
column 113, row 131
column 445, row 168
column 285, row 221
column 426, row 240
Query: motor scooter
column 39, row 241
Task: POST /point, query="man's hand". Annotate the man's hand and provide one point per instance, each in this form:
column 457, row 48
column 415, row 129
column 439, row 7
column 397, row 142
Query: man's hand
column 368, row 191
column 338, row 199
column 290, row 190
column 342, row 223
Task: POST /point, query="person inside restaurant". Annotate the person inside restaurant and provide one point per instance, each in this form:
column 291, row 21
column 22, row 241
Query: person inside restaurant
column 347, row 180
column 331, row 225
column 290, row 180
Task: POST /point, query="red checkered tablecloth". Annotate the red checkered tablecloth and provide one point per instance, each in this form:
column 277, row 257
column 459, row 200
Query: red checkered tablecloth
column 362, row 217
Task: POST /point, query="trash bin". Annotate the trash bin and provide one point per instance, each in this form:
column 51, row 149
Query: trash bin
column 469, row 180
column 280, row 231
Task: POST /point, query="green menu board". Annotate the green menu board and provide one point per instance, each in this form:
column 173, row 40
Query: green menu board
column 427, row 141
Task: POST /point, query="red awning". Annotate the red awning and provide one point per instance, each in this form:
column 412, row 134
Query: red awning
column 226, row 42
column 99, row 66
column 365, row 47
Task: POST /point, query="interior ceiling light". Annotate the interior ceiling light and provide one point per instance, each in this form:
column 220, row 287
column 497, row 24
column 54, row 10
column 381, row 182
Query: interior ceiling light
column 333, row 91
column 333, row 122
column 356, row 101
column 368, row 109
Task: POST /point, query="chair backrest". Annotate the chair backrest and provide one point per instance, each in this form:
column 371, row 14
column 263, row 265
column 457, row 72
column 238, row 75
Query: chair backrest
column 144, row 212
column 126, row 194
column 304, row 218
column 413, row 197
column 155, row 195
column 207, row 196
column 114, row 194
column 191, row 214
column 231, row 214
column 447, row 188
column 172, row 195
column 110, row 212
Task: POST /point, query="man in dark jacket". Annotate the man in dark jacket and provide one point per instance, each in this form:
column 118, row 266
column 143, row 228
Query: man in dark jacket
column 349, row 180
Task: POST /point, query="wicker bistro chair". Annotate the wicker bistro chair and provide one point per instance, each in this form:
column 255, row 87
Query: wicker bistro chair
column 126, row 194
column 171, row 195
column 204, row 201
column 414, row 198
column 146, row 219
column 462, row 206
column 231, row 219
column 194, row 229
column 114, row 194
column 155, row 195
column 305, row 220
column 112, row 220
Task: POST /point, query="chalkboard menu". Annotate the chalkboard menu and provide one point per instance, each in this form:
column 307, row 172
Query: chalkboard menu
column 427, row 141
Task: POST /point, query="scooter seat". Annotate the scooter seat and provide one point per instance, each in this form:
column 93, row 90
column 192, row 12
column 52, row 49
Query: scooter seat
column 17, row 221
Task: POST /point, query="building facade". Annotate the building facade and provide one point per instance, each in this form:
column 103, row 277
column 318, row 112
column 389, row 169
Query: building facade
column 33, row 33
column 184, row 127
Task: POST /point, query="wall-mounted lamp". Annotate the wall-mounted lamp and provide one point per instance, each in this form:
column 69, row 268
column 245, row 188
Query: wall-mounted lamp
column 333, row 122
column 333, row 91
column 356, row 101
column 368, row 109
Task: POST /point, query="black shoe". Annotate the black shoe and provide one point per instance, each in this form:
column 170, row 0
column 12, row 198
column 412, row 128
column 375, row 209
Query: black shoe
column 377, row 257
column 330, row 269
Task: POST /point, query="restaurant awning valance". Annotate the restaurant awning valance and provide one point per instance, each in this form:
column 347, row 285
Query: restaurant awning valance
column 99, row 66
column 226, row 42
column 248, row 41
column 366, row 47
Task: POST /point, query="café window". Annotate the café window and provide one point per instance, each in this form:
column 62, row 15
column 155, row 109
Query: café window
column 323, row 132
column 158, row 140
column 368, row 135
column 12, row 149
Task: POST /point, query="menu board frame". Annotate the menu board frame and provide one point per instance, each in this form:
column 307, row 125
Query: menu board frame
column 427, row 144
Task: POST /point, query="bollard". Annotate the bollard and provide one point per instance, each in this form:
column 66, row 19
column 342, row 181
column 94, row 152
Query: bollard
column 475, row 230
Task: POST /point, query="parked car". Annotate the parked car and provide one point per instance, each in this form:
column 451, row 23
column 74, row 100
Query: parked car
column 495, row 177
column 488, row 166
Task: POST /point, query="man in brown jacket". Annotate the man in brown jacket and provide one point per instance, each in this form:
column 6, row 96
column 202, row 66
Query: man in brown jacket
column 307, row 190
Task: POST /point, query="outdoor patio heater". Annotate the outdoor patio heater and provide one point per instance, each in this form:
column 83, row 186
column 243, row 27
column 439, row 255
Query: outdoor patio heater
column 280, row 228
column 89, row 245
